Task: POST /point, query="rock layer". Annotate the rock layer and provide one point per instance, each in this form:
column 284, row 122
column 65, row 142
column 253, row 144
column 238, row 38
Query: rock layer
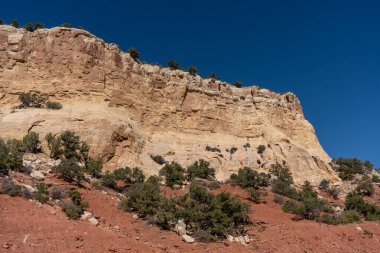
column 128, row 110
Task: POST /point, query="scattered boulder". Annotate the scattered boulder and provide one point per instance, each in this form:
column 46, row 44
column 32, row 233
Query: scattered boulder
column 30, row 188
column 93, row 221
column 188, row 239
column 37, row 175
column 135, row 217
column 180, row 227
column 86, row 215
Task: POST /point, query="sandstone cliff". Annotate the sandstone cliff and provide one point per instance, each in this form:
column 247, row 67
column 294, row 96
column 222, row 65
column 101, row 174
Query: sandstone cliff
column 128, row 110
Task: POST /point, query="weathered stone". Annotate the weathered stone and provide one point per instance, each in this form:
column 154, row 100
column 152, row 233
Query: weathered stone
column 180, row 227
column 86, row 215
column 93, row 221
column 37, row 175
column 188, row 239
column 139, row 109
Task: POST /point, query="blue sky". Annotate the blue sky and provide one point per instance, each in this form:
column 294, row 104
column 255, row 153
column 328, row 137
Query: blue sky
column 326, row 52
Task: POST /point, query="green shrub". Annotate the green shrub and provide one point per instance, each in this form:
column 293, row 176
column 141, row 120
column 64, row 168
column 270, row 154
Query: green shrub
column 213, row 76
column 278, row 199
column 72, row 211
column 356, row 202
column 1, row 22
column 66, row 25
column 54, row 105
column 77, row 200
column 261, row 149
column 233, row 150
column 57, row 193
column 200, row 169
column 193, row 70
column 42, row 193
column 129, row 176
column 133, row 53
column 349, row 167
column 334, row 192
column 69, row 170
column 247, row 177
column 174, row 174
column 255, row 195
column 14, row 23
column 375, row 179
column 94, row 166
column 214, row 149
column 174, row 65
column 324, row 185
column 29, row 99
column 11, row 156
column 237, row 84
column 282, row 184
column 31, row 142
column 158, row 159
column 67, row 145
column 29, row 27
column 365, row 188
column 213, row 185
column 108, row 180
column 7, row 186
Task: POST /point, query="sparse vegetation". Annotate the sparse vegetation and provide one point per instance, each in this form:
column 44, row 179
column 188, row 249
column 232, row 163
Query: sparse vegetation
column 69, row 170
column 200, row 169
column 7, row 186
column 42, row 193
column 158, row 159
column 282, row 184
column 57, row 192
column 33, row 27
column 53, row 105
column 14, row 23
column 365, row 188
column 233, row 150
column 67, row 145
column 356, row 202
column 214, row 149
column 174, row 174
column 11, row 153
column 247, row 177
column 66, row 25
column 174, row 65
column 193, row 70
column 31, row 142
column 349, row 167
column 134, row 53
column 237, row 84
column 213, row 76
column 94, row 167
column 261, row 149
column 30, row 99
column 375, row 179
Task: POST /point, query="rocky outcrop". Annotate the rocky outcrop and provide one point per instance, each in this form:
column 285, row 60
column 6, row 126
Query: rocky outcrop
column 128, row 110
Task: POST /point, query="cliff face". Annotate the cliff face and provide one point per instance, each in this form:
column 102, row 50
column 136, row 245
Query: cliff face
column 127, row 110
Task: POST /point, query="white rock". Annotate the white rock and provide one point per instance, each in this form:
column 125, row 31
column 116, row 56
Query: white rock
column 37, row 175
column 135, row 216
column 86, row 215
column 230, row 238
column 93, row 221
column 30, row 188
column 180, row 227
column 176, row 187
column 188, row 239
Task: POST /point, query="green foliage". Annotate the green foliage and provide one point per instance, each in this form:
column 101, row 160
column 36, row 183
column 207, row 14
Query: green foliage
column 53, row 105
column 174, row 65
column 67, row 145
column 365, row 188
column 7, row 186
column 356, row 202
column 42, row 193
column 29, row 27
column 282, row 184
column 11, row 153
column 33, row 27
column 57, row 193
column 108, row 180
column 346, row 217
column 255, row 195
column 237, row 84
column 261, row 149
column 94, row 166
column 14, row 23
column 127, row 175
column 31, row 142
column 77, row 200
column 133, row 53
column 324, row 185
column 349, row 167
column 158, row 159
column 278, row 199
column 174, row 174
column 200, row 169
column 30, row 99
column 192, row 70
column 247, row 177
column 233, row 150
column 69, row 170
column 72, row 211
column 375, row 179
column 213, row 76
column 67, row 25
column 212, row 149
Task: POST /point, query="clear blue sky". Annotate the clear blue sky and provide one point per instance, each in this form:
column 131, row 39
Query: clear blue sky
column 326, row 52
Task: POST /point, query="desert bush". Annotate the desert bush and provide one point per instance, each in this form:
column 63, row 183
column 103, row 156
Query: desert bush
column 203, row 236
column 375, row 179
column 334, row 192
column 14, row 23
column 247, row 177
column 69, row 170
column 57, row 192
column 365, row 188
column 158, row 159
column 7, row 186
column 30, row 99
column 213, row 76
column 108, row 180
column 282, row 184
column 255, row 195
column 212, row 149
column 201, row 169
column 66, row 25
column 11, row 153
column 278, row 199
column 324, row 185
column 174, row 65
column 94, row 166
column 133, row 53
column 213, row 185
column 42, row 193
column 347, row 168
column 237, row 84
column 233, row 150
column 174, row 174
column 192, row 70
column 370, row 211
column 31, row 142
column 29, row 27
column 129, row 176
column 72, row 211
column 77, row 200
column 53, row 105
column 345, row 218
column 1, row 22
column 67, row 145
column 261, row 149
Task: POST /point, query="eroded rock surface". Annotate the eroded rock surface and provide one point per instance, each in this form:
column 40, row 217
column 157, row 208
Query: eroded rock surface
column 128, row 110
